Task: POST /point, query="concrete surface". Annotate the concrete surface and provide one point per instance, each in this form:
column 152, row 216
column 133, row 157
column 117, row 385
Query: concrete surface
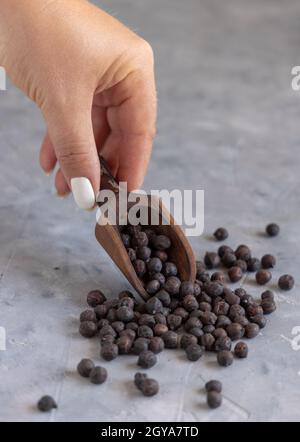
column 229, row 124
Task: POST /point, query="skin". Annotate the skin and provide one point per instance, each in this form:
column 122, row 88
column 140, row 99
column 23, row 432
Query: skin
column 93, row 80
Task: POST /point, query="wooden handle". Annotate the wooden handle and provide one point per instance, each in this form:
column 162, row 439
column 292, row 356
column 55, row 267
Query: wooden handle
column 110, row 239
column 108, row 181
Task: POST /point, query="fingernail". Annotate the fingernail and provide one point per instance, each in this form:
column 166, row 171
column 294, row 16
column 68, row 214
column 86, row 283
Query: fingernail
column 62, row 195
column 83, row 193
column 48, row 173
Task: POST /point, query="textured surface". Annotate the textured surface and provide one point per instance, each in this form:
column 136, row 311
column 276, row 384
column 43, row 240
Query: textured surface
column 229, row 124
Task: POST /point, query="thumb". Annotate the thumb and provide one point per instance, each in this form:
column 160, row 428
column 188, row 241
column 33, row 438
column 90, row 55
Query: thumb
column 72, row 136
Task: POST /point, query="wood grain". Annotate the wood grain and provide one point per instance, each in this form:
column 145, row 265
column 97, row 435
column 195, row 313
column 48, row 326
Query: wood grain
column 181, row 252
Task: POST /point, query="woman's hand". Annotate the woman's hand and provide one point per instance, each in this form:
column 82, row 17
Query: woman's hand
column 93, row 80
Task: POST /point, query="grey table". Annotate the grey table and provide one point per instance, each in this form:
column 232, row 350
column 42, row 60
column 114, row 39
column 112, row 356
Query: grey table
column 228, row 124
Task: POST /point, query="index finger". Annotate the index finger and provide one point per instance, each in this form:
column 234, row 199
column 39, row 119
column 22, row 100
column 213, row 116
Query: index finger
column 132, row 122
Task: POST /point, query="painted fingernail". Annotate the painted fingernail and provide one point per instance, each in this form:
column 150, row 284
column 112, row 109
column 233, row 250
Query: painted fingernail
column 62, row 195
column 83, row 193
column 48, row 172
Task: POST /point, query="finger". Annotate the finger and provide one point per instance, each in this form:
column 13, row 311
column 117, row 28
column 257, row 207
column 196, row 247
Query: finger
column 101, row 132
column 132, row 124
column 110, row 152
column 61, row 184
column 47, row 155
column 129, row 162
column 100, row 126
column 71, row 133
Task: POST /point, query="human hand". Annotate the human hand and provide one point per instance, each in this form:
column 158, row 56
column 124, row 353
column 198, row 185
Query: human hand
column 93, row 80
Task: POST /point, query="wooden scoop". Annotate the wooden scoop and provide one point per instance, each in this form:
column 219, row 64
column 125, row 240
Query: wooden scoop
column 109, row 237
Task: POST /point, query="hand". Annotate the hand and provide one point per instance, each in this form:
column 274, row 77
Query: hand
column 93, row 80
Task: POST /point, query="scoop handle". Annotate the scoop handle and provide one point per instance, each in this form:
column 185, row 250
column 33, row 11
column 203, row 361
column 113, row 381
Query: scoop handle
column 108, row 181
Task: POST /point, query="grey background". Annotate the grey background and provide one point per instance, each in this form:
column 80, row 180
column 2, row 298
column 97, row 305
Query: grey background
column 229, row 124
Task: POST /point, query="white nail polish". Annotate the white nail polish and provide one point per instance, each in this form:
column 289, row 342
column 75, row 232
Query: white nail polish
column 49, row 172
column 83, row 193
column 65, row 195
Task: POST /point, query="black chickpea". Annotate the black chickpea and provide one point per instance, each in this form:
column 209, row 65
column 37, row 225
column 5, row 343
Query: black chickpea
column 199, row 315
